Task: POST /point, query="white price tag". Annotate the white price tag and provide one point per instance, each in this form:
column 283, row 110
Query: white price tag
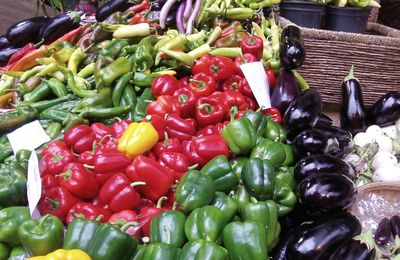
column 258, row 82
column 29, row 136
column 33, row 185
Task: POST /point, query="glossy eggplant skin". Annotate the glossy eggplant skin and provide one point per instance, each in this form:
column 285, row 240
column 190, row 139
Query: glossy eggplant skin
column 58, row 26
column 323, row 237
column 303, row 112
column 323, row 120
column 311, row 142
column 4, row 43
column 343, row 137
column 292, row 51
column 111, row 7
column 395, row 225
column 6, row 53
column 326, row 193
column 386, row 110
column 353, row 250
column 285, row 91
column 26, row 31
column 321, row 163
column 383, row 233
column 353, row 115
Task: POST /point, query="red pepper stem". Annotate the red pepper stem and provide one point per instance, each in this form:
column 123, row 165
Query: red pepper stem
column 57, row 157
column 174, row 205
column 160, row 201
column 138, row 183
column 193, row 167
column 99, row 217
column 208, row 108
column 54, row 204
column 128, row 225
column 233, row 112
column 88, row 166
column 66, row 174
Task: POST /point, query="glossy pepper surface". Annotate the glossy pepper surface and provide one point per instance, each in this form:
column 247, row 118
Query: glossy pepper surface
column 165, row 85
column 240, row 135
column 88, row 211
column 80, row 232
column 10, row 220
column 202, row 249
column 161, row 251
column 13, row 188
column 168, row 228
column 147, row 213
column 226, row 204
column 258, row 178
column 267, row 149
column 80, row 137
column 164, row 105
column 183, row 129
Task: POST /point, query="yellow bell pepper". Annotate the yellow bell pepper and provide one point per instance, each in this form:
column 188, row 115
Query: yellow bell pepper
column 62, row 254
column 137, row 139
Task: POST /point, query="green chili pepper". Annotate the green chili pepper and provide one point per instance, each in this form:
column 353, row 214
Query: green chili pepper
column 214, row 35
column 114, row 70
column 59, row 46
column 76, row 58
column 141, row 105
column 54, row 114
column 168, row 228
column 240, row 135
column 245, row 240
column 258, row 178
column 220, row 171
column 180, row 56
column 87, row 71
column 104, row 113
column 145, row 53
column 269, row 150
column 206, row 223
column 45, row 104
column 10, row 220
column 194, row 190
column 161, row 251
column 114, row 48
column 53, row 130
column 262, row 4
column 226, row 204
column 40, row 92
column 128, row 50
column 73, row 120
column 129, row 98
column 15, row 118
column 275, row 131
column 84, row 93
column 65, row 106
column 63, row 55
column 42, row 236
column 142, row 79
column 119, row 88
column 203, row 250
column 57, row 87
column 100, row 99
column 240, row 13
column 230, row 52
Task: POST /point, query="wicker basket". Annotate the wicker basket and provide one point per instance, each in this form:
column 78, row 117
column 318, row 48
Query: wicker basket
column 389, row 13
column 330, row 55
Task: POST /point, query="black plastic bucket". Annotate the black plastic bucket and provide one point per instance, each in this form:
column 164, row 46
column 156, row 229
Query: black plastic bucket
column 347, row 19
column 305, row 14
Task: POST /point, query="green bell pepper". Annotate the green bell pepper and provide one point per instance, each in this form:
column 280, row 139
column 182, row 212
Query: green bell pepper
column 12, row 185
column 285, row 176
column 266, row 213
column 237, row 165
column 18, row 253
column 161, row 251
column 4, row 251
column 285, row 199
column 203, row 250
column 245, row 240
column 145, row 53
column 220, row 170
column 194, row 190
column 240, row 196
column 80, row 232
column 100, row 99
column 274, row 131
column 139, row 253
column 258, row 178
column 206, row 223
column 111, row 242
column 289, row 155
column 41, row 236
column 270, row 150
column 168, row 228
column 240, row 135
column 226, row 204
column 22, row 158
column 5, row 152
column 10, row 220
column 258, row 120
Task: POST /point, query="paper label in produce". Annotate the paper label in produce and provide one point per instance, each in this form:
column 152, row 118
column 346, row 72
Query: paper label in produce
column 258, row 82
column 29, row 136
column 33, row 185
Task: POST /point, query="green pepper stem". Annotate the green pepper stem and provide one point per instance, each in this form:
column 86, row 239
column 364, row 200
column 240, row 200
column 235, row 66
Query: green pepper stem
column 54, row 204
column 128, row 225
column 56, row 157
column 138, row 183
column 174, row 205
column 66, row 175
column 193, row 167
column 200, row 82
column 208, row 108
column 99, row 217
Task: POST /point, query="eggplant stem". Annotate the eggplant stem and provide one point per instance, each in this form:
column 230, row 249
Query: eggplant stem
column 350, row 76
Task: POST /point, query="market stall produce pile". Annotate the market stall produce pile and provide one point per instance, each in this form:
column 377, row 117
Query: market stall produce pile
column 159, row 149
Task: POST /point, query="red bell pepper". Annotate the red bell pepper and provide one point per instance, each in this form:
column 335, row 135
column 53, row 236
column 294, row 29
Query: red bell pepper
column 87, row 157
column 158, row 179
column 151, row 155
column 218, row 67
column 21, row 53
column 48, row 182
column 202, row 149
column 203, row 65
column 100, row 130
column 253, row 45
column 176, row 162
column 168, row 145
column 110, row 161
column 163, row 105
column 247, row 58
column 103, row 177
column 245, row 88
column 233, row 102
column 177, row 127
column 186, row 99
column 146, row 214
column 271, row 78
column 202, row 84
column 218, row 96
column 209, row 111
column 251, row 104
column 118, row 128
column 57, row 201
column 124, row 216
column 54, row 158
column 164, row 85
column 107, row 144
column 119, row 193
column 171, row 201
column 274, row 114
column 184, row 81
column 212, row 129
column 88, row 211
column 145, row 202
column 80, row 137
column 80, row 182
column 232, row 83
column 158, row 122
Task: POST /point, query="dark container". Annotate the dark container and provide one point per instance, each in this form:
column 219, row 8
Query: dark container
column 347, row 19
column 303, row 13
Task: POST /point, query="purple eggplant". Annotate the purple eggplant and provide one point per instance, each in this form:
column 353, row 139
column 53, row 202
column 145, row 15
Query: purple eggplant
column 323, row 120
column 386, row 110
column 323, row 237
column 395, row 226
column 6, row 53
column 26, row 31
column 303, row 112
column 285, row 91
column 353, row 115
column 353, row 250
column 326, row 193
column 311, row 142
column 343, row 137
column 383, row 233
column 322, row 163
column 111, row 7
column 4, row 43
column 59, row 25
column 292, row 51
